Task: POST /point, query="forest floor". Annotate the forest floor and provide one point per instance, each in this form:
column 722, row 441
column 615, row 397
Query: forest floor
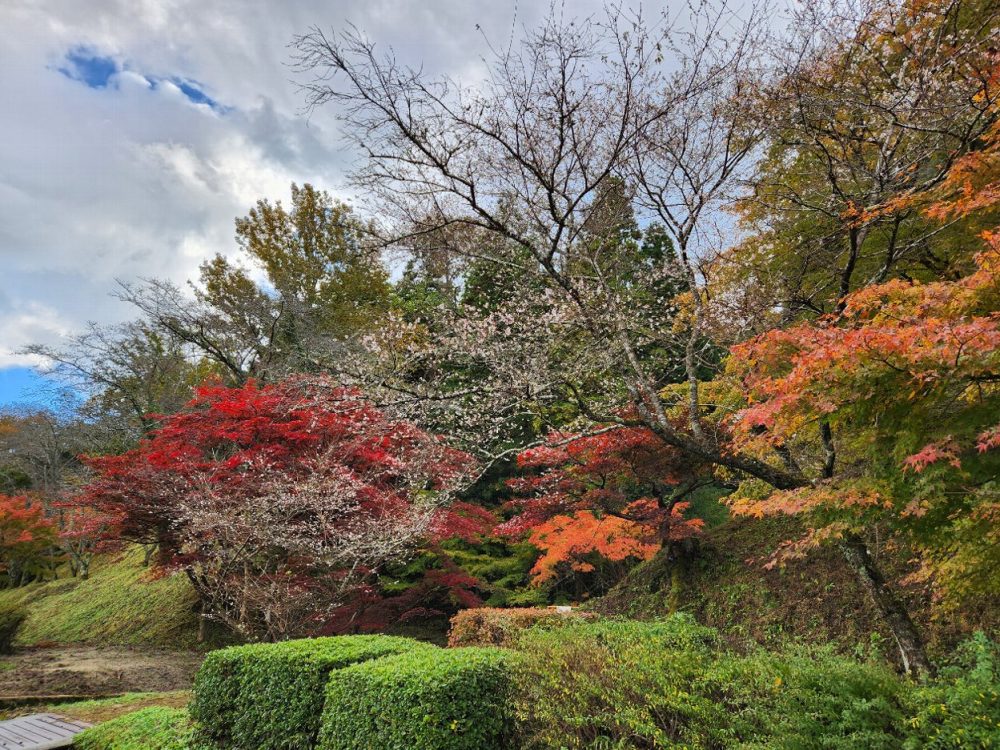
column 60, row 671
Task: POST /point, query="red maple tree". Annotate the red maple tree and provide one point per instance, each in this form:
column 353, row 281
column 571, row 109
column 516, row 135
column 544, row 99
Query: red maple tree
column 28, row 540
column 618, row 492
column 279, row 501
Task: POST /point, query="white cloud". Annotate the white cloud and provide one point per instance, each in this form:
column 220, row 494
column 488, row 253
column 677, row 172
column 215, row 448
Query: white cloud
column 25, row 322
column 137, row 179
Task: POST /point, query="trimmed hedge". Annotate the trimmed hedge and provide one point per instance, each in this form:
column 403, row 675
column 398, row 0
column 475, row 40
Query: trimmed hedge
column 455, row 699
column 270, row 695
column 489, row 626
column 157, row 727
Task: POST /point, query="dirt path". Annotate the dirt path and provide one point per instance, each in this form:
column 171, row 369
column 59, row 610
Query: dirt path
column 84, row 670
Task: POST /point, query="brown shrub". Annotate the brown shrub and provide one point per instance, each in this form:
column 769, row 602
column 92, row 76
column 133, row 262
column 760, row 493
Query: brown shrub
column 491, row 626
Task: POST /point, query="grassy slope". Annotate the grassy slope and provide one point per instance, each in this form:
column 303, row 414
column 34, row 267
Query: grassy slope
column 118, row 605
column 815, row 600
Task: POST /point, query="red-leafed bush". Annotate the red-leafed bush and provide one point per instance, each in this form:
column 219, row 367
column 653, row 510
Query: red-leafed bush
column 490, row 626
column 279, row 501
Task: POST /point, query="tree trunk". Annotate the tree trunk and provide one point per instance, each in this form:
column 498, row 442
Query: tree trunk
column 892, row 611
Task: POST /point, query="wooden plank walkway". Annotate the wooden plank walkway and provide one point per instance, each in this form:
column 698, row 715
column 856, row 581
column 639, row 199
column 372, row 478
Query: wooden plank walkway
column 39, row 732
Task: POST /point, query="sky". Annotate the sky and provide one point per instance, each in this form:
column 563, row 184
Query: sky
column 133, row 132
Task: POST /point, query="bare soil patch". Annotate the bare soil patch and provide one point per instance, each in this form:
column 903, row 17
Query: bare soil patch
column 94, row 671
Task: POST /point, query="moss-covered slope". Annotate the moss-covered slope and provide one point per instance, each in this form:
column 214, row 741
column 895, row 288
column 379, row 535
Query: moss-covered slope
column 120, row 604
column 816, row 600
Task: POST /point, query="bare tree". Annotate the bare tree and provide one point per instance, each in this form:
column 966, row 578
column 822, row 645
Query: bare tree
column 693, row 162
column 235, row 330
column 128, row 372
column 525, row 156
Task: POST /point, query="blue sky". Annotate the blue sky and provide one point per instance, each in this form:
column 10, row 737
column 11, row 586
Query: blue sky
column 88, row 67
column 99, row 71
column 135, row 131
column 21, row 385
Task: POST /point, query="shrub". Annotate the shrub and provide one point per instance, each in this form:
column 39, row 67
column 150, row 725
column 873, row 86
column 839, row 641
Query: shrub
column 160, row 728
column 618, row 684
column 10, row 620
column 488, row 626
column 621, row 684
column 962, row 707
column 813, row 698
column 270, row 695
column 432, row 700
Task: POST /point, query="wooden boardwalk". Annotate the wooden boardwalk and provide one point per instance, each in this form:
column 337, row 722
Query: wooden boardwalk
column 39, row 732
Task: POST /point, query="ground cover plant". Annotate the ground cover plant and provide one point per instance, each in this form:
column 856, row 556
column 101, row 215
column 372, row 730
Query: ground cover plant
column 120, row 603
column 11, row 618
column 104, row 709
column 157, row 727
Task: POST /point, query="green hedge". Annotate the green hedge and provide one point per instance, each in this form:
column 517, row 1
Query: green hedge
column 157, row 727
column 455, row 699
column 270, row 695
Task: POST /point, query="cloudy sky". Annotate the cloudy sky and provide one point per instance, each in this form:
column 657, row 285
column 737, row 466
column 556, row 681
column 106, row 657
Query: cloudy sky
column 134, row 131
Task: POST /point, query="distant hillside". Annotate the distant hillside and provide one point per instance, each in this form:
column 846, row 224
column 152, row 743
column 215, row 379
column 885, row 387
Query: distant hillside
column 816, row 600
column 117, row 605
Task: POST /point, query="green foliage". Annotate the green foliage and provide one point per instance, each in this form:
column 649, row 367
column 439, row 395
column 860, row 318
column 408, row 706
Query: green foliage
column 13, row 481
column 11, row 618
column 454, row 699
column 118, row 605
column 501, row 567
column 962, row 707
column 312, row 255
column 270, row 695
column 621, row 684
column 157, row 727
column 706, row 504
column 812, row 698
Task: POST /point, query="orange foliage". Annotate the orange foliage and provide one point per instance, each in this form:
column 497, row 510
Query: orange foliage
column 912, row 338
column 804, row 499
column 571, row 538
column 615, row 494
